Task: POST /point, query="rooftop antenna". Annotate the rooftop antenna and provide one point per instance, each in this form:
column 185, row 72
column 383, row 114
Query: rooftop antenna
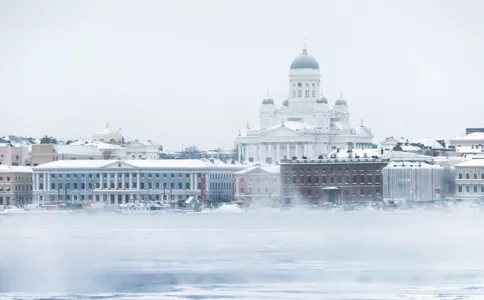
column 361, row 121
column 304, row 46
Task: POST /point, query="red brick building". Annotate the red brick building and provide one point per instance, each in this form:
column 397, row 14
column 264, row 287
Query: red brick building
column 334, row 180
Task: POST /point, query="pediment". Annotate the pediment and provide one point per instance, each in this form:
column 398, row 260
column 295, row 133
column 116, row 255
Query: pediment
column 364, row 132
column 118, row 165
column 281, row 132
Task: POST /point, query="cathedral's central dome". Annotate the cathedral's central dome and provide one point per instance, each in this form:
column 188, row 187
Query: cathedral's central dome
column 305, row 61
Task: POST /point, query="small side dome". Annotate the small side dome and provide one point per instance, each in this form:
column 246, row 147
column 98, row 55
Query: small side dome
column 268, row 101
column 285, row 103
column 322, row 100
column 341, row 102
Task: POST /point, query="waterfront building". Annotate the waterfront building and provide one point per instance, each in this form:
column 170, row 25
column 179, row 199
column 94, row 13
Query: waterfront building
column 306, row 125
column 119, row 182
column 15, row 185
column 333, row 180
column 45, row 153
column 258, row 185
column 416, row 182
column 469, row 180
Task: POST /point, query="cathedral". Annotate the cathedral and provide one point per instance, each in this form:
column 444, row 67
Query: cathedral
column 306, row 125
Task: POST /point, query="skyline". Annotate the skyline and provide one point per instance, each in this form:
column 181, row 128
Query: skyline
column 69, row 68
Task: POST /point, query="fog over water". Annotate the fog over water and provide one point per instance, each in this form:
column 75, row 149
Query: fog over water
column 279, row 255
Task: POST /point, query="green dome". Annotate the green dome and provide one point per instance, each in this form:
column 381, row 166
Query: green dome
column 322, row 100
column 341, row 102
column 268, row 101
column 305, row 61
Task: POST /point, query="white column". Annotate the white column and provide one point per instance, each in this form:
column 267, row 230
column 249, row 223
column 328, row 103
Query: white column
column 306, row 150
column 130, row 181
column 270, row 151
column 137, row 180
column 260, row 152
column 297, row 150
column 239, row 150
column 116, row 181
column 278, row 152
column 109, row 180
column 46, row 181
column 288, row 150
column 101, row 180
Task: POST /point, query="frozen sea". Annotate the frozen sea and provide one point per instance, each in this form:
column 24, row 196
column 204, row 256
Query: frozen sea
column 266, row 255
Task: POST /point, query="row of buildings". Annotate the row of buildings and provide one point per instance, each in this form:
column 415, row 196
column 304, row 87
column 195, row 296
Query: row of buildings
column 355, row 177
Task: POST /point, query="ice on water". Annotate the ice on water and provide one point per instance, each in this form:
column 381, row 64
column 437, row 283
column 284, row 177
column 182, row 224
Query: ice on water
column 267, row 255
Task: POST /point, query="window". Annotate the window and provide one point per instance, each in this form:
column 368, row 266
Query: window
column 475, row 187
column 90, row 176
column 250, row 190
column 267, row 190
column 314, row 93
column 180, row 186
column 258, row 190
column 355, row 179
column 75, row 186
column 467, row 188
column 41, row 186
column 482, row 175
column 52, row 186
column 482, row 189
column 468, row 176
column 475, row 175
column 299, row 93
column 306, row 93
column 369, row 179
column 187, row 186
column 377, row 179
column 316, row 180
column 59, row 186
column 294, row 93
column 362, row 192
column 83, row 186
column 52, row 176
column 310, row 179
column 242, row 190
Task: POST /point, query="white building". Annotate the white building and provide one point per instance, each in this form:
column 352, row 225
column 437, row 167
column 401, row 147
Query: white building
column 120, row 182
column 305, row 125
column 142, row 150
column 470, row 180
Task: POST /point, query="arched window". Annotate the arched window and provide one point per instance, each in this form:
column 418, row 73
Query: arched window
column 468, row 176
column 475, row 175
column 460, row 175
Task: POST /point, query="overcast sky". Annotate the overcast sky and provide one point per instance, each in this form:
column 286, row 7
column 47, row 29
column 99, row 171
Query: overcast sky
column 194, row 72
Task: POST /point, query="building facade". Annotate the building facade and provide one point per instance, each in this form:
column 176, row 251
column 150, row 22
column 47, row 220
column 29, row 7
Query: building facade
column 142, row 150
column 258, row 185
column 305, row 125
column 333, row 180
column 469, row 180
column 120, row 182
column 45, row 153
column 15, row 185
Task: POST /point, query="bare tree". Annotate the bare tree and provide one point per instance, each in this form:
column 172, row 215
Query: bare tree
column 108, row 154
column 192, row 152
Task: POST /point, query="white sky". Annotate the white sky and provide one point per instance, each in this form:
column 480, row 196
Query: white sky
column 194, row 72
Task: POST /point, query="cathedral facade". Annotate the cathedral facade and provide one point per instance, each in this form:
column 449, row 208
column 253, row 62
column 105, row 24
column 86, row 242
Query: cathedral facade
column 306, row 125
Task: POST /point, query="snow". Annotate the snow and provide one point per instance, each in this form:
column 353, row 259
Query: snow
column 145, row 164
column 77, row 150
column 228, row 208
column 427, row 142
column 412, row 165
column 274, row 169
column 15, row 169
column 471, row 136
column 471, row 163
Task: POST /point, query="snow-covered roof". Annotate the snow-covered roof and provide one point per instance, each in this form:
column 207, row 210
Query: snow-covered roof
column 471, row 163
column 15, row 169
column 406, row 156
column 106, row 146
column 343, row 153
column 273, row 169
column 408, row 165
column 427, row 142
column 77, row 150
column 468, row 149
column 469, row 137
column 297, row 126
column 143, row 164
column 449, row 160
